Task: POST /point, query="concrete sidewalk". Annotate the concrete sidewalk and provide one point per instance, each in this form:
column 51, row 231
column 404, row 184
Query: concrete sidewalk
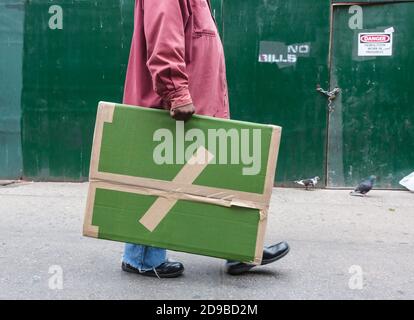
column 330, row 233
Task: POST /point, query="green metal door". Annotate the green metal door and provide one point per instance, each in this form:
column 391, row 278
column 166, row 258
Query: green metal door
column 371, row 128
column 75, row 54
column 277, row 54
column 11, row 55
column 217, row 12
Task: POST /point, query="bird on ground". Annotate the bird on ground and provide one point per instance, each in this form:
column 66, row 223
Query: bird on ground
column 364, row 187
column 308, row 182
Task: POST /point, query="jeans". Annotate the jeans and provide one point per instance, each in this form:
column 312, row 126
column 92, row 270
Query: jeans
column 144, row 258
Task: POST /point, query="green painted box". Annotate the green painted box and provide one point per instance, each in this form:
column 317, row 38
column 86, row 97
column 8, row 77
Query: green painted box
column 201, row 187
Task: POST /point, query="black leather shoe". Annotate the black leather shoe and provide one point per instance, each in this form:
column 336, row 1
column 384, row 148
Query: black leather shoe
column 275, row 252
column 270, row 254
column 166, row 270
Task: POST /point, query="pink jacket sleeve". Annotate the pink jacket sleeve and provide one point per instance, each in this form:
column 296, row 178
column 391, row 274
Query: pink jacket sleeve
column 164, row 22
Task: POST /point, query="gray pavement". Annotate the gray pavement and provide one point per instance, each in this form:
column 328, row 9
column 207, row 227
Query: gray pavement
column 330, row 234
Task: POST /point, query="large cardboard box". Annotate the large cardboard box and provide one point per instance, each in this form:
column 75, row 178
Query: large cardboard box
column 202, row 187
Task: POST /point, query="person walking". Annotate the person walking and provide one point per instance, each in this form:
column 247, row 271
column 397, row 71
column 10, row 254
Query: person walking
column 177, row 63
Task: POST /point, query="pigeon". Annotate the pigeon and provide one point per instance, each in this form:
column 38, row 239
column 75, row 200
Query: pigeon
column 308, row 182
column 364, row 187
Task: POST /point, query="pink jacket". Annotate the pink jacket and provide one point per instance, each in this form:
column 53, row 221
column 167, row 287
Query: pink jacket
column 176, row 58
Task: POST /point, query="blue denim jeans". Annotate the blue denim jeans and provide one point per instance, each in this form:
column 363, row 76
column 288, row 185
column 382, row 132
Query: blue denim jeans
column 144, row 258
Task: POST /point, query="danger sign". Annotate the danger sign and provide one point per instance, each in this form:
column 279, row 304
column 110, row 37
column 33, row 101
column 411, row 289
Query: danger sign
column 375, row 44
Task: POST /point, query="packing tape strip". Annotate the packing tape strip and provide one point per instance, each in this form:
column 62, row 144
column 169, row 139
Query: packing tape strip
column 188, row 174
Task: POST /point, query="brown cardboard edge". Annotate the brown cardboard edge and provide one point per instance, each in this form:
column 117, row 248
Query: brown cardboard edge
column 272, row 162
column 90, row 230
column 261, row 232
column 269, row 183
column 105, row 115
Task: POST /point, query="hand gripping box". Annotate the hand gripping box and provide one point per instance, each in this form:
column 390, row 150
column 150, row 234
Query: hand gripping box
column 201, row 187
